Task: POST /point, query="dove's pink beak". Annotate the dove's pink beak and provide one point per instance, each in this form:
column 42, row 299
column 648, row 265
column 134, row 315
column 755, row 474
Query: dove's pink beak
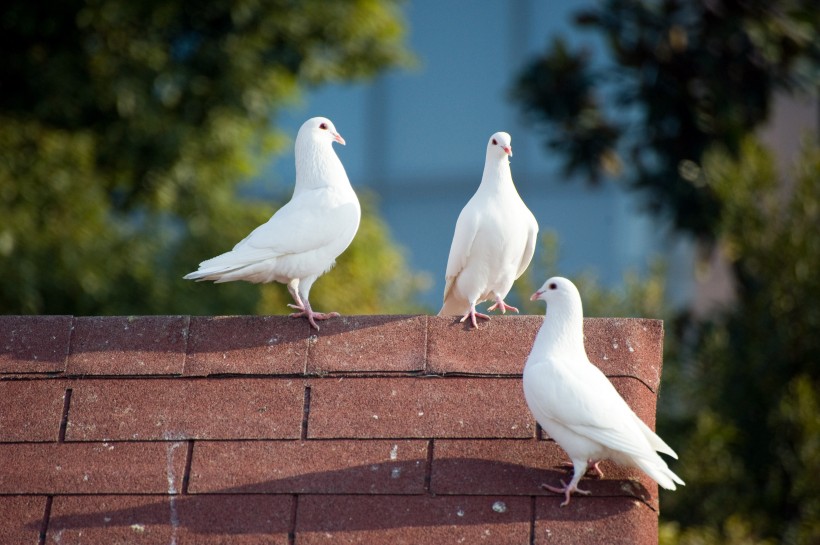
column 338, row 137
column 508, row 150
column 536, row 295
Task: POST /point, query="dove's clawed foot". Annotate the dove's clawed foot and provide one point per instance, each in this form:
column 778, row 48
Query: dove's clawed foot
column 502, row 306
column 472, row 315
column 306, row 312
column 566, row 490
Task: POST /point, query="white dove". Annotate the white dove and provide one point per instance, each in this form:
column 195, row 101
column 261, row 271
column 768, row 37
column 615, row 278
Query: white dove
column 494, row 240
column 302, row 239
column 577, row 405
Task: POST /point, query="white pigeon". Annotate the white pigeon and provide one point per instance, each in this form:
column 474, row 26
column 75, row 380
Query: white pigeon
column 494, row 240
column 302, row 239
column 577, row 405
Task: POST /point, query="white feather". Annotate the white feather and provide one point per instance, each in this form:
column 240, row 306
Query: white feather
column 494, row 238
column 574, row 401
column 302, row 239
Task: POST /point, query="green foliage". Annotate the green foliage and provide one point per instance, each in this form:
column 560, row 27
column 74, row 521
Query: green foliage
column 753, row 447
column 682, row 77
column 127, row 127
column 684, row 86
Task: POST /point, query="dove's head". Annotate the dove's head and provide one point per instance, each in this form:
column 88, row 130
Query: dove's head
column 500, row 145
column 558, row 293
column 319, row 129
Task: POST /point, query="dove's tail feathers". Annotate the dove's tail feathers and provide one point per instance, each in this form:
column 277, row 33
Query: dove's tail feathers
column 212, row 274
column 454, row 306
column 660, row 472
column 237, row 264
column 655, row 441
column 254, row 272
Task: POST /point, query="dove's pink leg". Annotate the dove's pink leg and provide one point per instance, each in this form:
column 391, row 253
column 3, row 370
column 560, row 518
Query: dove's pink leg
column 567, row 489
column 472, row 315
column 304, row 307
column 594, row 468
column 294, row 292
column 501, row 305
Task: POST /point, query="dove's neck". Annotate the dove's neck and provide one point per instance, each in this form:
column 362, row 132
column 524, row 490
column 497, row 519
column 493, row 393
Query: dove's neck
column 561, row 337
column 497, row 176
column 317, row 165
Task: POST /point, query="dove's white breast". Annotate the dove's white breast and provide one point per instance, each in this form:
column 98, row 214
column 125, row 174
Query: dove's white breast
column 495, row 256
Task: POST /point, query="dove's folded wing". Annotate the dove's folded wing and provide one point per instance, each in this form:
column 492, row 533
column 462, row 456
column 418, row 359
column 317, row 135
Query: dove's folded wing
column 463, row 238
column 595, row 380
column 311, row 220
column 529, row 249
column 595, row 411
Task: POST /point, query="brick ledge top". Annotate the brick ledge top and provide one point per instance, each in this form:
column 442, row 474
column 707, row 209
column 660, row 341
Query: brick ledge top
column 69, row 346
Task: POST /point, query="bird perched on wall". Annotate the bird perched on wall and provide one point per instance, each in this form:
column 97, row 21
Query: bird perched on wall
column 577, row 405
column 302, row 239
column 494, row 240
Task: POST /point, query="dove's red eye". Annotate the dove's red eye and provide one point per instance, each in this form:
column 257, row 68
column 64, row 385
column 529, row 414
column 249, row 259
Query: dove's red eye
column 323, row 126
column 495, row 143
column 553, row 286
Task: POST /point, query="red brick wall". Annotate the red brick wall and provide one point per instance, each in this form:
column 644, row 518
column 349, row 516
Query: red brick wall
column 377, row 429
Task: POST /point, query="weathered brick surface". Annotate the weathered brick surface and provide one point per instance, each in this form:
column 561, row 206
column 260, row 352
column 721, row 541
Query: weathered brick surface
column 91, row 468
column 34, row 344
column 376, row 429
column 614, row 521
column 263, row 345
column 298, row 467
column 500, row 346
column 519, row 467
column 21, row 518
column 128, row 345
column 369, row 343
column 103, row 410
column 188, row 520
column 31, row 410
column 626, row 347
column 413, row 520
column 418, row 407
column 639, row 398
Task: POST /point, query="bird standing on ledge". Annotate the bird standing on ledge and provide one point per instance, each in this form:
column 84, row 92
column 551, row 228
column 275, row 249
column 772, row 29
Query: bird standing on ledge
column 303, row 238
column 493, row 242
column 577, row 405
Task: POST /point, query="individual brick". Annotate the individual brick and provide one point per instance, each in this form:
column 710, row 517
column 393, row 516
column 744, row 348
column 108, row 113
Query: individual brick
column 128, row 345
column 181, row 520
column 34, row 344
column 500, row 346
column 416, row 520
column 21, row 519
column 315, row 467
column 418, row 407
column 618, row 346
column 31, row 410
column 247, row 345
column 592, row 521
column 520, row 467
column 172, row 409
column 626, row 347
column 369, row 343
column 640, row 399
column 91, row 468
